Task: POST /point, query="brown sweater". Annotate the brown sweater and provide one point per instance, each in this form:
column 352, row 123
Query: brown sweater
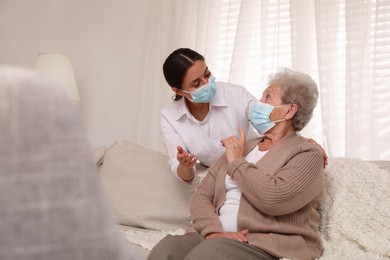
column 280, row 196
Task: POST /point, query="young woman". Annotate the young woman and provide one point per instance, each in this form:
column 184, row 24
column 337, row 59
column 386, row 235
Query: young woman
column 202, row 114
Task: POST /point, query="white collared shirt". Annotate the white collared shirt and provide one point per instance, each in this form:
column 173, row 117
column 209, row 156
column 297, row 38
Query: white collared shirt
column 229, row 110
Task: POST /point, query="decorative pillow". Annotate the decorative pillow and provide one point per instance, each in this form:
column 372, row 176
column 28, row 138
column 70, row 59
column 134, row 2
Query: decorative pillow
column 142, row 190
column 52, row 204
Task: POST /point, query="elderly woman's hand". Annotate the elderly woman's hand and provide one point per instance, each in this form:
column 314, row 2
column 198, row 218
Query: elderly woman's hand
column 234, row 147
column 239, row 236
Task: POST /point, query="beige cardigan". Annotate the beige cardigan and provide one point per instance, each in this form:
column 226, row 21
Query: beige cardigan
column 280, row 196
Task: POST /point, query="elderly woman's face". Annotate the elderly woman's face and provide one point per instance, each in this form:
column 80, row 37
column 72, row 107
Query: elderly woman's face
column 272, row 95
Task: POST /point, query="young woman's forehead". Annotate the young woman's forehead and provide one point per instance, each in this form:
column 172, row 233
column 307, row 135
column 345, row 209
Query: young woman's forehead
column 195, row 71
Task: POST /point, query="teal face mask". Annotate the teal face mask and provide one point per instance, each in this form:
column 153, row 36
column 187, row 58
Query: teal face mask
column 259, row 117
column 205, row 93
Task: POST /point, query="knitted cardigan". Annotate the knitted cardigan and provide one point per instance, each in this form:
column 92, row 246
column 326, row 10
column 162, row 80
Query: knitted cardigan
column 280, row 196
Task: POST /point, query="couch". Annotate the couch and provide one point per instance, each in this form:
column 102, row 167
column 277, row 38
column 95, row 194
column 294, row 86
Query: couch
column 149, row 202
column 54, row 205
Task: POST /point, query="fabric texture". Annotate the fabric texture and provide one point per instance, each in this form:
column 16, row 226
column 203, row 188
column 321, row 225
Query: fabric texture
column 229, row 111
column 355, row 210
column 280, row 196
column 52, row 205
column 140, row 188
column 193, row 246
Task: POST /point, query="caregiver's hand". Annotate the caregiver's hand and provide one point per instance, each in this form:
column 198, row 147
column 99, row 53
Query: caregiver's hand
column 239, row 236
column 184, row 158
column 322, row 149
column 234, row 147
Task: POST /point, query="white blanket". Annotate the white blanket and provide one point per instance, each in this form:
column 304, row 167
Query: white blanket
column 355, row 213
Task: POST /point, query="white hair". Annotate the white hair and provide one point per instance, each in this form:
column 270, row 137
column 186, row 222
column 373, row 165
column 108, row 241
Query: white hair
column 297, row 88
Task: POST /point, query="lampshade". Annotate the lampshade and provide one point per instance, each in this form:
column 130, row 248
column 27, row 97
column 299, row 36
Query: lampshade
column 59, row 68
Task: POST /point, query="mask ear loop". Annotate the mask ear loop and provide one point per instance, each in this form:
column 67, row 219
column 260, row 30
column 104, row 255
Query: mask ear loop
column 288, row 111
column 181, row 93
column 280, row 120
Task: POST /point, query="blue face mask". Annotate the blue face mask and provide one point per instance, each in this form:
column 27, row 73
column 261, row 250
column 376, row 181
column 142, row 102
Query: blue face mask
column 205, row 93
column 259, row 117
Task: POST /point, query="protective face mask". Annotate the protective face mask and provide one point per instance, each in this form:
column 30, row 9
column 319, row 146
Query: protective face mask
column 205, row 93
column 259, row 117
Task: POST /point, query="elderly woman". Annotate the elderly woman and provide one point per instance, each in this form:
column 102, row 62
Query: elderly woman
column 259, row 201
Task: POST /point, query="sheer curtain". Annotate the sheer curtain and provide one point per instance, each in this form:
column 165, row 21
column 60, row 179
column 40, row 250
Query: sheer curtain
column 343, row 44
column 172, row 24
column 354, row 67
column 258, row 37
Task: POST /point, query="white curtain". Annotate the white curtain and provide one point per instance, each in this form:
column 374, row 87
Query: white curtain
column 343, row 44
column 354, row 68
column 258, row 37
column 172, row 24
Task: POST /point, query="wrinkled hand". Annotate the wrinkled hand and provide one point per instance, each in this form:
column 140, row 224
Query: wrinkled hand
column 322, row 149
column 184, row 158
column 239, row 236
column 234, row 147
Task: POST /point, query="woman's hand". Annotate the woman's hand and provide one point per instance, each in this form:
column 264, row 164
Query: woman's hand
column 239, row 236
column 234, row 147
column 186, row 159
column 322, row 149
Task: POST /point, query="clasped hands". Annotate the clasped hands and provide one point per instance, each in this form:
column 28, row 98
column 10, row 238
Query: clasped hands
column 239, row 236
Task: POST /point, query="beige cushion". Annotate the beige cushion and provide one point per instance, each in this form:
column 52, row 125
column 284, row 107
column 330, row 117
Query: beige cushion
column 141, row 189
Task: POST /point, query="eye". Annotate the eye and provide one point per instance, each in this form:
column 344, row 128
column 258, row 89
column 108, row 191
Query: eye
column 195, row 84
column 265, row 97
column 207, row 74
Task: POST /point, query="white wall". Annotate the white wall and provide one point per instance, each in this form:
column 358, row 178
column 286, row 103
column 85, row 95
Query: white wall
column 106, row 42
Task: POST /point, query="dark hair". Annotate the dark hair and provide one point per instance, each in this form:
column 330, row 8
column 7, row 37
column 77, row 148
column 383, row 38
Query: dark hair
column 176, row 65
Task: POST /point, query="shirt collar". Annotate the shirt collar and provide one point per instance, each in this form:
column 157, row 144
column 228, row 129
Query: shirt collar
column 182, row 108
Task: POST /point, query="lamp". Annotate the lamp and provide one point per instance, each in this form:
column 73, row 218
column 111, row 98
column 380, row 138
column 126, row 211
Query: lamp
column 58, row 67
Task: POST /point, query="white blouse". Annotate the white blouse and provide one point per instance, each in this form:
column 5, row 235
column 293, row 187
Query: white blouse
column 228, row 213
column 229, row 110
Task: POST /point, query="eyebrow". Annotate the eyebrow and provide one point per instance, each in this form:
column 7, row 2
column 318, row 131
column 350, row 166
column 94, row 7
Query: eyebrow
column 265, row 92
column 197, row 79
